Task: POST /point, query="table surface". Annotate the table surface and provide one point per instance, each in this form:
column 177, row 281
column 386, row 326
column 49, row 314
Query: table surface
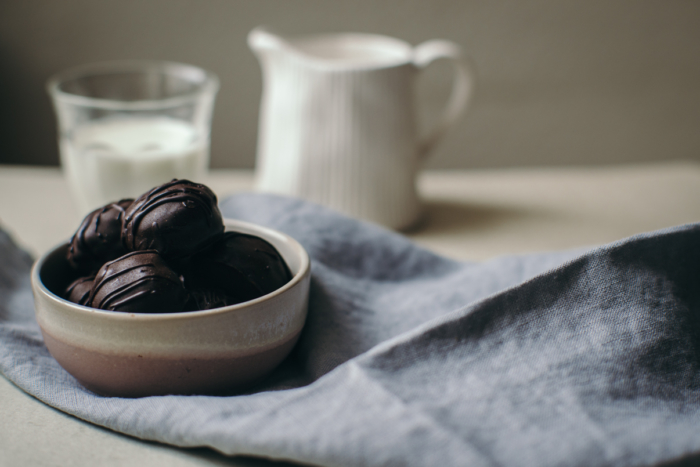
column 469, row 215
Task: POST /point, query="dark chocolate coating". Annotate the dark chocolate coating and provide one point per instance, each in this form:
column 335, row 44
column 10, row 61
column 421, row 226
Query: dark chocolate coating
column 79, row 290
column 178, row 219
column 206, row 299
column 243, row 267
column 98, row 239
column 138, row 282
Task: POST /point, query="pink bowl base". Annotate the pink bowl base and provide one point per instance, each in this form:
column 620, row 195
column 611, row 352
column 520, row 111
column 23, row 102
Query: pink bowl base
column 118, row 375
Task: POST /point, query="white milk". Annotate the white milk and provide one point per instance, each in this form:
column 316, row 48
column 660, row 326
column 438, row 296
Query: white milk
column 112, row 159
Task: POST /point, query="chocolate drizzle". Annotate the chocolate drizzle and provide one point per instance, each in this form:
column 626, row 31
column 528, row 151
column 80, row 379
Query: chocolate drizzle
column 178, row 219
column 98, row 239
column 79, row 290
column 138, row 282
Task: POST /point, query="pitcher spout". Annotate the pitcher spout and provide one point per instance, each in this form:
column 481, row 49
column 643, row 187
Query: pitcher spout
column 261, row 40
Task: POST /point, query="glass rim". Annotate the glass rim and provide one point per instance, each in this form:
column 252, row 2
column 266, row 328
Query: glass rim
column 209, row 84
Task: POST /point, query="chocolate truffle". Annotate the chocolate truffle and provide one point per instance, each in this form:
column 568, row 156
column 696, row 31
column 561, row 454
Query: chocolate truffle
column 178, row 219
column 98, row 239
column 206, row 299
column 79, row 290
column 243, row 267
column 138, row 282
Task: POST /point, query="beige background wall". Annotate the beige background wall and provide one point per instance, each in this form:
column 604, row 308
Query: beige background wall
column 561, row 82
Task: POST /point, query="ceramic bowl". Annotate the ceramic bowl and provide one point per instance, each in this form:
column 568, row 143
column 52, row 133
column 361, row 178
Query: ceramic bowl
column 200, row 352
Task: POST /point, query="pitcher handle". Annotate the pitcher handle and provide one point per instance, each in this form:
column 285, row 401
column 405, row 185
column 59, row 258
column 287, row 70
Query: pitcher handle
column 462, row 88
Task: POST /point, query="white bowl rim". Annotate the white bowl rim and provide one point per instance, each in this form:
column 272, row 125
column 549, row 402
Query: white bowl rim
column 85, row 310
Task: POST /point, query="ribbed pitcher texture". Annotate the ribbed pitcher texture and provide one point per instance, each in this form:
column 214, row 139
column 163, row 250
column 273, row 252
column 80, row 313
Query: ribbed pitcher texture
column 338, row 124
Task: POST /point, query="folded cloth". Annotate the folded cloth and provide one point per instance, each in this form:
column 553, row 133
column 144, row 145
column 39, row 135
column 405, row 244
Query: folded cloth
column 411, row 359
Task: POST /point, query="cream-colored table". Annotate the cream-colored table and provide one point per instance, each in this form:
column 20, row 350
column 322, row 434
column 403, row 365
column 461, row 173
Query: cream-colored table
column 469, row 215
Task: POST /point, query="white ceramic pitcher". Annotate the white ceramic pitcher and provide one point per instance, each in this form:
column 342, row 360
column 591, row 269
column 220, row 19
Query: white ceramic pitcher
column 338, row 124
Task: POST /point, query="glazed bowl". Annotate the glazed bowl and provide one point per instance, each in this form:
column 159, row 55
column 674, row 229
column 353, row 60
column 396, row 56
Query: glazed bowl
column 224, row 349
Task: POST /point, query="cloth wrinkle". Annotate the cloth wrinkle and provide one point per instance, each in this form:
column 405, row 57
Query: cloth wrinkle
column 416, row 411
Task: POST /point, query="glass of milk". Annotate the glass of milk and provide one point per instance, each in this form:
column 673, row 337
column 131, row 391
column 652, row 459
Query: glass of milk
column 125, row 127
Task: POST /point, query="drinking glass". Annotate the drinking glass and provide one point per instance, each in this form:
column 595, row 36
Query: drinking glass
column 127, row 126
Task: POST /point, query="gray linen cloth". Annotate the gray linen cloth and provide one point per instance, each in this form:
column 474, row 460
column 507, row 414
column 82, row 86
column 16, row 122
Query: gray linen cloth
column 410, row 359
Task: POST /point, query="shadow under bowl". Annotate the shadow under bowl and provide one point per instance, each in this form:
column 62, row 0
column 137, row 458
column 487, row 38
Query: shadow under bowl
column 199, row 352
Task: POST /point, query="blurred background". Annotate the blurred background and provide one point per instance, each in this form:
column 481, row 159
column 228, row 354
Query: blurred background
column 560, row 82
